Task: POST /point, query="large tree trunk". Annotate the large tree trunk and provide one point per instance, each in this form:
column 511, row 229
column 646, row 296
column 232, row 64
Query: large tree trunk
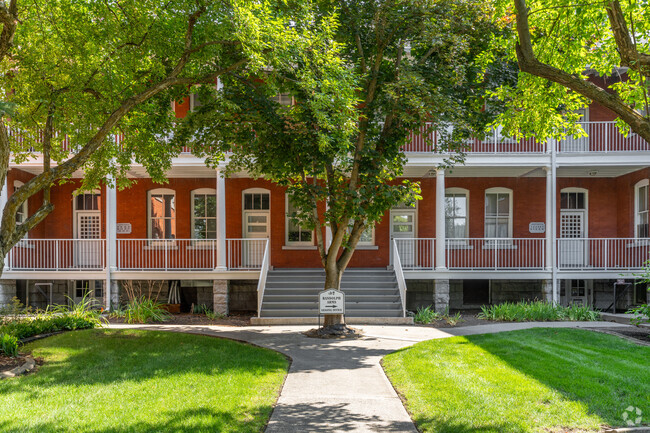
column 333, row 281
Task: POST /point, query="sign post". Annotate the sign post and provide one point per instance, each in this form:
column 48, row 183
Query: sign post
column 330, row 301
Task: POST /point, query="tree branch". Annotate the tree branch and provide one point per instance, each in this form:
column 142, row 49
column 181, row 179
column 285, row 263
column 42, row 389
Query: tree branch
column 530, row 64
column 627, row 49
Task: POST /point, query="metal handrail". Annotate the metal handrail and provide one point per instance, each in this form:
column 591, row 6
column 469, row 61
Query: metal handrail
column 261, row 284
column 399, row 274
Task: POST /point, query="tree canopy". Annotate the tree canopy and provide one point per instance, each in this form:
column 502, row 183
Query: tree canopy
column 362, row 75
column 559, row 45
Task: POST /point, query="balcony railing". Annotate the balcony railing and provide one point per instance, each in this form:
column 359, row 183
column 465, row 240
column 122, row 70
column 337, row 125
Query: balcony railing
column 188, row 254
column 415, row 254
column 58, row 255
column 495, row 253
column 625, row 254
column 601, row 137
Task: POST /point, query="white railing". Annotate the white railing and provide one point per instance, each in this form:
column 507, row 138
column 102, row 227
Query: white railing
column 416, row 253
column 399, row 274
column 495, row 253
column 57, row 255
column 602, row 137
column 264, row 271
column 426, row 140
column 245, row 254
column 166, row 254
column 602, row 254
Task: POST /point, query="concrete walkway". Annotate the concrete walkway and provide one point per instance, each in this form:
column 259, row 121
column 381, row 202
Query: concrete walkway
column 339, row 385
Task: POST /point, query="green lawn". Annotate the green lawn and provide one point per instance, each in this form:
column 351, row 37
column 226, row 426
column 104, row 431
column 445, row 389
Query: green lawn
column 143, row 381
column 537, row 380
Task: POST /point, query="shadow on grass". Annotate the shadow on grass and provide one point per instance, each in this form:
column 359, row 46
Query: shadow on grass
column 183, row 421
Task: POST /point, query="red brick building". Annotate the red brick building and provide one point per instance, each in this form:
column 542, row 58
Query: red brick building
column 564, row 221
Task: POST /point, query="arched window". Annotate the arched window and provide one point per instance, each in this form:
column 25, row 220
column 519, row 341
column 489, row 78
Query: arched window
column 641, row 209
column 498, row 213
column 204, row 213
column 161, row 210
column 456, row 213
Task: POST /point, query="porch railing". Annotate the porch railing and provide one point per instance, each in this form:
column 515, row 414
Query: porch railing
column 399, row 274
column 602, row 254
column 245, row 254
column 495, row 253
column 415, row 253
column 601, row 137
column 57, row 255
column 166, row 254
column 264, row 271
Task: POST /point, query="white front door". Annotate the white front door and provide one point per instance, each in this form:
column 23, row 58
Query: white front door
column 573, row 245
column 402, row 228
column 88, row 250
column 578, row 292
column 256, row 226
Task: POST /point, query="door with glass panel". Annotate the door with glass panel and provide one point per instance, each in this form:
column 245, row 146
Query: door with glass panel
column 88, row 250
column 573, row 245
column 403, row 227
column 256, row 226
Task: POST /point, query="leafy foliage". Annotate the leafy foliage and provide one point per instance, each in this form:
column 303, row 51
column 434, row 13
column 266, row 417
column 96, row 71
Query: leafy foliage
column 537, row 311
column 427, row 315
column 142, row 310
column 641, row 314
column 364, row 75
column 9, row 345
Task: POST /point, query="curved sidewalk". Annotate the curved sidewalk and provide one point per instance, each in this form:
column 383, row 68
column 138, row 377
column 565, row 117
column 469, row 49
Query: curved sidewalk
column 339, row 385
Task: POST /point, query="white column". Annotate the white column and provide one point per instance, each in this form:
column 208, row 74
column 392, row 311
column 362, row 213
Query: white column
column 548, row 251
column 111, row 239
column 441, row 262
column 221, row 222
column 553, row 228
column 3, row 202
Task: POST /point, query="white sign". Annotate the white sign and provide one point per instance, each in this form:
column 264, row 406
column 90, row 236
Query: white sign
column 123, row 228
column 537, row 227
column 331, row 301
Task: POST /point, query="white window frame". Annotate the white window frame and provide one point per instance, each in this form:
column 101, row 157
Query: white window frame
column 202, row 191
column 586, row 208
column 287, row 219
column 638, row 187
column 75, row 209
column 279, row 97
column 458, row 191
column 498, row 190
column 24, row 207
column 361, row 243
column 165, row 191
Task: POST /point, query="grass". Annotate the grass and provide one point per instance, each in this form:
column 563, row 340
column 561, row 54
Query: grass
column 142, row 381
column 536, row 380
column 539, row 311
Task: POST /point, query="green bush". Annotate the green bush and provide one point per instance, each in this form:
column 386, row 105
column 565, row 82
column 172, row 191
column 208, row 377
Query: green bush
column 54, row 319
column 536, row 311
column 8, row 344
column 142, row 310
column 641, row 314
column 425, row 315
column 207, row 311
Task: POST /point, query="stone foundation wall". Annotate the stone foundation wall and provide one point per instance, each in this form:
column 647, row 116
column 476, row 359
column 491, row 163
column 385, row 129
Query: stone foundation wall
column 455, row 294
column 419, row 294
column 604, row 295
column 204, row 297
column 220, row 296
column 242, row 295
column 7, row 292
column 144, row 288
column 517, row 290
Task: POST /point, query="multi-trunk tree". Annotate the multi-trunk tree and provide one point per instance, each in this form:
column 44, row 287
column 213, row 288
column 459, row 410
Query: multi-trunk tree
column 558, row 45
column 77, row 74
column 326, row 113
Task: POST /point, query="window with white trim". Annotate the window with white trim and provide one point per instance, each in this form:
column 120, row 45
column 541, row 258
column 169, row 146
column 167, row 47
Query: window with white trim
column 162, row 214
column 456, row 206
column 296, row 235
column 641, row 209
column 498, row 213
column 367, row 237
column 283, row 99
column 88, row 201
column 204, row 213
column 22, row 211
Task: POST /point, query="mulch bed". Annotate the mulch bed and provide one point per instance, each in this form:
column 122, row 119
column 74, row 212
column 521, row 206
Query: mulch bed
column 235, row 319
column 7, row 363
column 637, row 335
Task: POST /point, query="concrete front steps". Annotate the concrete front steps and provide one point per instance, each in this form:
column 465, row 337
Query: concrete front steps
column 291, row 297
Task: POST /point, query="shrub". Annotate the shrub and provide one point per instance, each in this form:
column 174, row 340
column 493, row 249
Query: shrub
column 536, row 311
column 425, row 315
column 143, row 310
column 9, row 345
column 641, row 314
column 209, row 313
